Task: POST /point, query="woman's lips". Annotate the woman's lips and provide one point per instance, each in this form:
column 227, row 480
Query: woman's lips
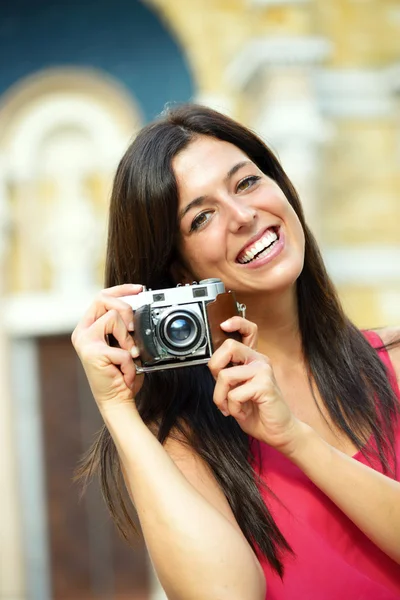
column 273, row 253
column 255, row 239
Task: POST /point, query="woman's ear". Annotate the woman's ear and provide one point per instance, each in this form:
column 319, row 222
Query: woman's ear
column 180, row 273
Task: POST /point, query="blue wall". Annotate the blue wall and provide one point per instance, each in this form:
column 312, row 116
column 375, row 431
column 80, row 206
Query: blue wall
column 121, row 37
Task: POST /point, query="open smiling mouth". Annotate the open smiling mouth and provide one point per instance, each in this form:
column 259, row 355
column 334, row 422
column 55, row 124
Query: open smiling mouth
column 261, row 248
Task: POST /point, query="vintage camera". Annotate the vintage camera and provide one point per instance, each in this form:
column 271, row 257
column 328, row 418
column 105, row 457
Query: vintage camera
column 180, row 326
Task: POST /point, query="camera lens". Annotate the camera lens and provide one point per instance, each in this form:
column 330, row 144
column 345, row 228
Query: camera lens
column 181, row 332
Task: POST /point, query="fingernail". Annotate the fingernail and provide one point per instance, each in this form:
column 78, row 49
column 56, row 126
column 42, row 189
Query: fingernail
column 134, row 351
column 225, row 413
column 225, row 323
column 131, row 326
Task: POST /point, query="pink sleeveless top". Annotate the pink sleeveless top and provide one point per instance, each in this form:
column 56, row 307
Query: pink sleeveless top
column 333, row 559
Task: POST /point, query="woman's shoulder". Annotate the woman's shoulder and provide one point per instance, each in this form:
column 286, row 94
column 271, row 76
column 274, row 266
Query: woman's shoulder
column 390, row 337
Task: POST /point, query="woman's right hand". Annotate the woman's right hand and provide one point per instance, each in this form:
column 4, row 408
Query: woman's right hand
column 110, row 371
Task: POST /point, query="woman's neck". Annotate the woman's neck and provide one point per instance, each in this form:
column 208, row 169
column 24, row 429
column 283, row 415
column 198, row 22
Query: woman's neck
column 277, row 319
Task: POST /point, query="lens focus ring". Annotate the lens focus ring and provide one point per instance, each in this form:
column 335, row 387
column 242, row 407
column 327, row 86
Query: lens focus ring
column 181, row 332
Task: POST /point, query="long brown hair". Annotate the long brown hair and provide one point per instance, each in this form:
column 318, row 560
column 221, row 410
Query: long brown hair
column 350, row 377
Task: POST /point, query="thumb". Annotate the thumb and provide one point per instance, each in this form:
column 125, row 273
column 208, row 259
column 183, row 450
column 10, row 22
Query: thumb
column 247, row 329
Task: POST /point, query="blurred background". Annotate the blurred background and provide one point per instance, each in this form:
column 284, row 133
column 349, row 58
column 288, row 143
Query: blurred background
column 319, row 80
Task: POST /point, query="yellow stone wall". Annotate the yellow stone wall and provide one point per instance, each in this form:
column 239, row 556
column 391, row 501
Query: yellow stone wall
column 360, row 188
column 366, row 33
column 358, row 194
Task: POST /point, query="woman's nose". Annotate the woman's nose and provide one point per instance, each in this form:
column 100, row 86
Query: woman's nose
column 241, row 214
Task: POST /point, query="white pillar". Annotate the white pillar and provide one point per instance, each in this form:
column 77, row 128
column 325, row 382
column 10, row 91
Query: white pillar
column 12, row 577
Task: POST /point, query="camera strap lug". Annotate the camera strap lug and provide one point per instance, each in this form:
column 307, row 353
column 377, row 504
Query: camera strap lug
column 242, row 310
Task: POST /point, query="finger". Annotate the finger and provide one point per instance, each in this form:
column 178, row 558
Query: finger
column 241, row 400
column 125, row 289
column 111, row 323
column 233, row 376
column 122, row 359
column 128, row 369
column 230, row 351
column 247, row 329
column 240, row 410
column 101, row 305
column 250, row 391
column 228, row 379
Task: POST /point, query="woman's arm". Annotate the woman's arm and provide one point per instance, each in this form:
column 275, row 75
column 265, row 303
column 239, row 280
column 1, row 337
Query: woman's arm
column 371, row 500
column 195, row 544
column 250, row 394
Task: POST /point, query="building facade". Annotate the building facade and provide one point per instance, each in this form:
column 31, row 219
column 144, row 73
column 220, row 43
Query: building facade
column 319, row 80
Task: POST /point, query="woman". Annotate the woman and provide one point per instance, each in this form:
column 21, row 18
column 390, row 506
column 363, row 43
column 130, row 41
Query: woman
column 275, row 477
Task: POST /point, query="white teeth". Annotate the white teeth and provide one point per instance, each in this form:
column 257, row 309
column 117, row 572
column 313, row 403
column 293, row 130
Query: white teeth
column 249, row 254
column 261, row 246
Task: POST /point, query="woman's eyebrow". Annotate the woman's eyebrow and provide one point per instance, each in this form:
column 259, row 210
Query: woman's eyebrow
column 199, row 201
column 236, row 168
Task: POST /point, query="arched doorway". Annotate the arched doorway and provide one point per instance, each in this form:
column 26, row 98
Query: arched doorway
column 62, row 135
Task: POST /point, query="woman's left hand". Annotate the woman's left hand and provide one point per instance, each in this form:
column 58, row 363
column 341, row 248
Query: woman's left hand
column 249, row 392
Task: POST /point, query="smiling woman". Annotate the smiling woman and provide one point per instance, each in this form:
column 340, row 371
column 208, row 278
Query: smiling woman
column 274, row 467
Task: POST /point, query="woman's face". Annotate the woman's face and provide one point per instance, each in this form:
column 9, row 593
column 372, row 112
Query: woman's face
column 235, row 222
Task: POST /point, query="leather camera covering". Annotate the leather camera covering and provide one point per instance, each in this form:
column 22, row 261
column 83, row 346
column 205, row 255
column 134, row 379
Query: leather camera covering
column 222, row 308
column 144, row 334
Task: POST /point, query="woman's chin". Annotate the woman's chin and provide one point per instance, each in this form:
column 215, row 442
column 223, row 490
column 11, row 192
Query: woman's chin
column 278, row 279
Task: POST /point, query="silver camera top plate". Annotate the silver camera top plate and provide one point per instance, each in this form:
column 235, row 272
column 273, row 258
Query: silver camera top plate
column 204, row 291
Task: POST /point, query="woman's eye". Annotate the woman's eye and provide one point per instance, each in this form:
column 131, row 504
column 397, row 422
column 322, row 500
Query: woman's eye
column 200, row 220
column 247, row 183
